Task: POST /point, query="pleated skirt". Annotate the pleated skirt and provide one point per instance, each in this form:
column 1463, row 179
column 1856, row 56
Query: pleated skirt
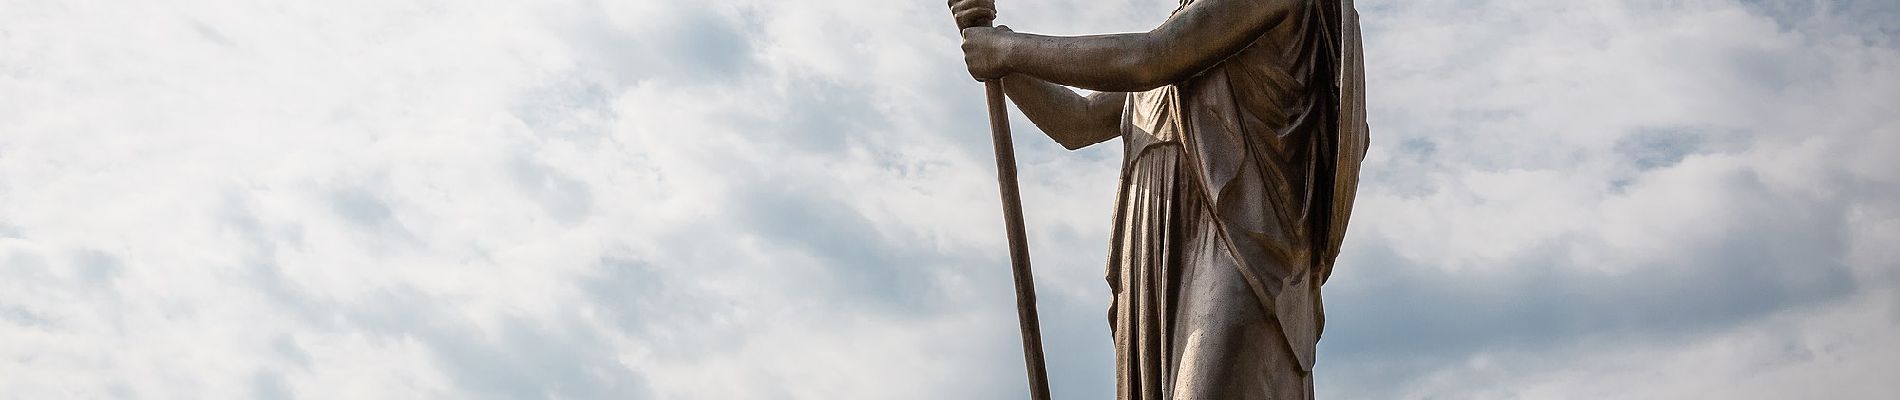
column 1185, row 323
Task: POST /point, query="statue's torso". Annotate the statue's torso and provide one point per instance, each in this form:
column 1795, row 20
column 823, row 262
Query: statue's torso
column 1243, row 172
column 1251, row 128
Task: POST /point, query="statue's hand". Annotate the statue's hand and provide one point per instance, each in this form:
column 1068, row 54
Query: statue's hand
column 983, row 51
column 973, row 13
column 981, row 44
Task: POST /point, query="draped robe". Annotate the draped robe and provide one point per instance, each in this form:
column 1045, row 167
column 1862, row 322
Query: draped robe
column 1237, row 184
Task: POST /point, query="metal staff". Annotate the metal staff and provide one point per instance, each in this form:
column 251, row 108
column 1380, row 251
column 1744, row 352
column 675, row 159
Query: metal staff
column 1018, row 241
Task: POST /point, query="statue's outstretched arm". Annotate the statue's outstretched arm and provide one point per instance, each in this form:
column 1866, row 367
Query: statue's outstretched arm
column 1071, row 119
column 1193, row 40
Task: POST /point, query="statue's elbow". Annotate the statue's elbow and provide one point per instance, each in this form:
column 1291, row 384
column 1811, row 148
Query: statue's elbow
column 1069, row 138
column 1088, row 136
column 1073, row 144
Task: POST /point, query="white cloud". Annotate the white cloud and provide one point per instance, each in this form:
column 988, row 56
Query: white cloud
column 1612, row 180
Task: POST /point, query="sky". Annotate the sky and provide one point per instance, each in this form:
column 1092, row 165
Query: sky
column 754, row 199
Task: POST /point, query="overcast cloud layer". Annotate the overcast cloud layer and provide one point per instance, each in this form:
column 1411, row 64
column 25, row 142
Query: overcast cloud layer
column 753, row 199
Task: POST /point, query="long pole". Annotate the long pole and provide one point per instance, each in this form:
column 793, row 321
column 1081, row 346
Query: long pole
column 1018, row 242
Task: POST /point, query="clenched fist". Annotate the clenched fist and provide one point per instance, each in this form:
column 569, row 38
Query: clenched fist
column 983, row 46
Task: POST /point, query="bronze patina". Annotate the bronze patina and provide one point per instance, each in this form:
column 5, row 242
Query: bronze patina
column 1243, row 128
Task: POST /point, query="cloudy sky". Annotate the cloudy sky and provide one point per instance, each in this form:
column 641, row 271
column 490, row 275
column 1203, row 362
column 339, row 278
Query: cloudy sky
column 758, row 199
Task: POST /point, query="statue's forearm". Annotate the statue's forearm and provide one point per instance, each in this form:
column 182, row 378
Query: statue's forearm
column 1117, row 63
column 1196, row 38
column 1071, row 119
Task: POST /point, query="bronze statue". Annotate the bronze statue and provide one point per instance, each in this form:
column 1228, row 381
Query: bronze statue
column 1243, row 127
